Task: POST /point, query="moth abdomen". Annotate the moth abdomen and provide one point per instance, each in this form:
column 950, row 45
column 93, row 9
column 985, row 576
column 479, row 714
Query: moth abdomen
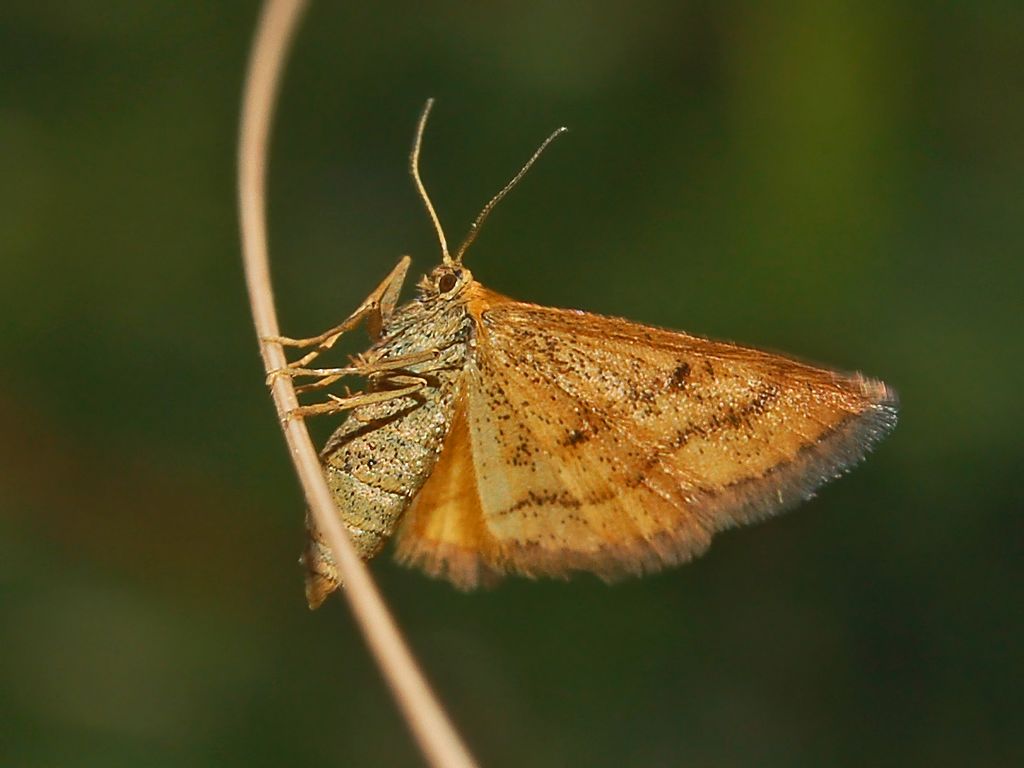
column 375, row 463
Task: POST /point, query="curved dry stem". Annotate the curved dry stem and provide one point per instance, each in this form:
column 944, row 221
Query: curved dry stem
column 433, row 731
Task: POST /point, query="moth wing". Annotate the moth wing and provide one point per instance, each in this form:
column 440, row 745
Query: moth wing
column 589, row 443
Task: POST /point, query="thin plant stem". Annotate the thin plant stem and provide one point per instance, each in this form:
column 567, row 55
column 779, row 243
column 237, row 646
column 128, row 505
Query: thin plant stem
column 426, row 718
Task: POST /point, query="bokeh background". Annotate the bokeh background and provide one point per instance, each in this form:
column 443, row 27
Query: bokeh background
column 840, row 180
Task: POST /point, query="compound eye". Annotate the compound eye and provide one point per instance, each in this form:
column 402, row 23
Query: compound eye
column 447, row 281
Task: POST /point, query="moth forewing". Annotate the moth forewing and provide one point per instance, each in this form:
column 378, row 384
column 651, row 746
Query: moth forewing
column 596, row 444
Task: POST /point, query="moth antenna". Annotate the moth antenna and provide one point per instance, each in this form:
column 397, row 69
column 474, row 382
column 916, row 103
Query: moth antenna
column 414, row 169
column 474, row 228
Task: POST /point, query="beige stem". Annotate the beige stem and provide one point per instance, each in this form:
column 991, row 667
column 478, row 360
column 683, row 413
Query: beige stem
column 433, row 731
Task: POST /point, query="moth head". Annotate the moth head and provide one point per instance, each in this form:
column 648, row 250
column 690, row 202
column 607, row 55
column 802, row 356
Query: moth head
column 445, row 281
column 447, row 260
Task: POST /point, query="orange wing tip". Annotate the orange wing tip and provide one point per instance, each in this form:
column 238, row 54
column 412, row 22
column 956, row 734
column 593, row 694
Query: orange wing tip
column 832, row 455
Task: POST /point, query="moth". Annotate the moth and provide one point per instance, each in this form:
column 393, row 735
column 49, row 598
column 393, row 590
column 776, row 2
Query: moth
column 497, row 437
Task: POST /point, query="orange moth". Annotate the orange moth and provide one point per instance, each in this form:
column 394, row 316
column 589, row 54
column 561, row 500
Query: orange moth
column 497, row 437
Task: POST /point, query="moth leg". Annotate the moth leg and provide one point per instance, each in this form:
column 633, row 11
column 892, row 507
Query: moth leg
column 330, row 376
column 409, row 385
column 293, row 371
column 327, row 376
column 361, row 367
column 375, row 309
column 367, row 366
column 326, row 381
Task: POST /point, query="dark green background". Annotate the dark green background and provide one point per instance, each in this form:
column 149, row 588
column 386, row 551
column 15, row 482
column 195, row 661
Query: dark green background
column 839, row 180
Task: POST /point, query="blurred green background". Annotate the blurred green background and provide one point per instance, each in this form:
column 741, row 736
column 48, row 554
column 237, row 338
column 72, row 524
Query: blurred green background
column 839, row 180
